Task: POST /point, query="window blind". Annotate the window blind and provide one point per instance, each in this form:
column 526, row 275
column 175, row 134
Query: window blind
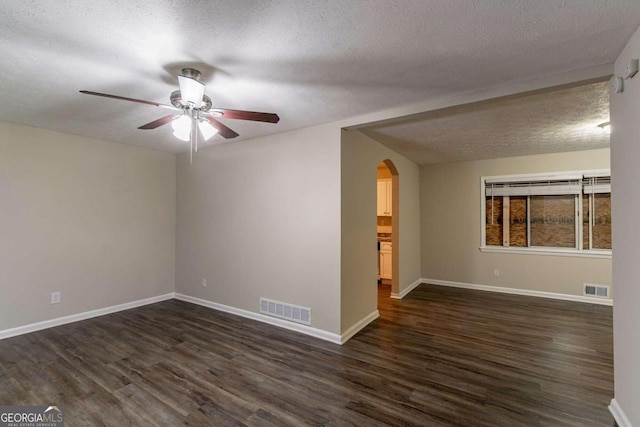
column 534, row 188
column 596, row 184
column 592, row 183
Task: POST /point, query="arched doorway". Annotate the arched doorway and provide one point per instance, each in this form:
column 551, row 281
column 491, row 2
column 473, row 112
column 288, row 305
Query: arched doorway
column 388, row 214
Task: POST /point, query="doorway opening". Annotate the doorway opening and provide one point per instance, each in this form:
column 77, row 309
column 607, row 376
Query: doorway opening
column 387, row 229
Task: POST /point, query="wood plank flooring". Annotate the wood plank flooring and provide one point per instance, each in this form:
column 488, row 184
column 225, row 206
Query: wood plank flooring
column 439, row 357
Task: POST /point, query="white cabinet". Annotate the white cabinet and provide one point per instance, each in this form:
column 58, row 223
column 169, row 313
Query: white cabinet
column 385, row 260
column 384, row 197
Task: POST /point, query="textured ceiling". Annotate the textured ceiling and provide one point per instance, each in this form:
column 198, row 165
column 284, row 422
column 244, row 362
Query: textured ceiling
column 546, row 122
column 309, row 61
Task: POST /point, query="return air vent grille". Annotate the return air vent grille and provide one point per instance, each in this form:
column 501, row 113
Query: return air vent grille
column 291, row 312
column 600, row 291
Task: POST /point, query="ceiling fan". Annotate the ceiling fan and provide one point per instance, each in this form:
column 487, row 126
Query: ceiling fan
column 192, row 111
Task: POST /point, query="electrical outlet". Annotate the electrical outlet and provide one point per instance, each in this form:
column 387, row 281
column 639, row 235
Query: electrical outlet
column 496, row 272
column 204, row 283
column 55, row 297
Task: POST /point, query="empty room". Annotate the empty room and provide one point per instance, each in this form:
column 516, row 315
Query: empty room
column 336, row 213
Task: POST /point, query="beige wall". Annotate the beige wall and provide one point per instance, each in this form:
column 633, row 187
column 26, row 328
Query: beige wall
column 451, row 226
column 261, row 218
column 360, row 157
column 625, row 156
column 92, row 219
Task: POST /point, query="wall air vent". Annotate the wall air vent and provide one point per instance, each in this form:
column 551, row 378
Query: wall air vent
column 599, row 291
column 282, row 310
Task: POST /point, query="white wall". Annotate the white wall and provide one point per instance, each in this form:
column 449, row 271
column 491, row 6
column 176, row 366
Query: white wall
column 261, row 218
column 451, row 227
column 360, row 158
column 625, row 157
column 92, row 219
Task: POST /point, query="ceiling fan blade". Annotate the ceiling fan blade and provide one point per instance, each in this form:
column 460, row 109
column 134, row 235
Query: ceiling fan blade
column 223, row 131
column 157, row 123
column 248, row 115
column 140, row 101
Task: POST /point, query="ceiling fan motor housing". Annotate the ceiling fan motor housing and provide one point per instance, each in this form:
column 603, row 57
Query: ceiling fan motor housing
column 176, row 101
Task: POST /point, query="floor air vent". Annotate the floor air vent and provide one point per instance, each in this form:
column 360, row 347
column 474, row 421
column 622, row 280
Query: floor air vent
column 291, row 312
column 599, row 291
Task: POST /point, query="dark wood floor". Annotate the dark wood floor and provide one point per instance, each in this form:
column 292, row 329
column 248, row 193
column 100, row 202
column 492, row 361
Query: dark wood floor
column 441, row 356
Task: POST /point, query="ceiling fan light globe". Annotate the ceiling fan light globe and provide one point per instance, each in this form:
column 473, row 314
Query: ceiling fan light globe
column 207, row 130
column 191, row 91
column 181, row 137
column 182, row 128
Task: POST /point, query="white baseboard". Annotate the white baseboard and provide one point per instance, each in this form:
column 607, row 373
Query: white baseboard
column 307, row 330
column 406, row 290
column 8, row 333
column 526, row 292
column 358, row 326
column 618, row 414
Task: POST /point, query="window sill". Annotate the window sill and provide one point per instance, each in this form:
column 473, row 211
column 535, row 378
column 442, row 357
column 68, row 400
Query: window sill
column 604, row 254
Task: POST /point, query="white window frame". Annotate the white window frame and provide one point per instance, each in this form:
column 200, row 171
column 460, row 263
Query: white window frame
column 542, row 250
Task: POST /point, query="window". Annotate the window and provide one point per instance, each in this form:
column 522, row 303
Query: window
column 566, row 213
